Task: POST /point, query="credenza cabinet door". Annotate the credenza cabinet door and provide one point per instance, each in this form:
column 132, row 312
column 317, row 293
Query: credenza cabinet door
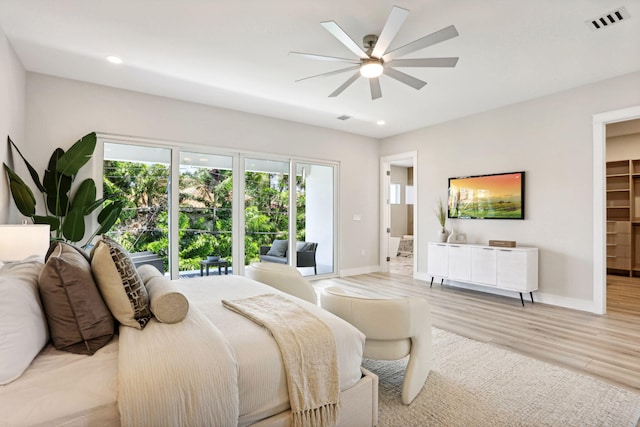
column 438, row 262
column 517, row 270
column 459, row 262
column 483, row 266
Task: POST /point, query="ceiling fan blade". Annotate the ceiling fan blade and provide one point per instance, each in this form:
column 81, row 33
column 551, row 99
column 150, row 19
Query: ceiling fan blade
column 391, row 27
column 376, row 91
column 424, row 62
column 331, row 73
column 325, row 58
column 426, row 41
column 339, row 33
column 345, row 85
column 404, row 78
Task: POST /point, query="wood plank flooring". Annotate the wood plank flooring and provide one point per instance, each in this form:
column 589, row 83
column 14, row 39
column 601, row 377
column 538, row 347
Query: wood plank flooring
column 607, row 347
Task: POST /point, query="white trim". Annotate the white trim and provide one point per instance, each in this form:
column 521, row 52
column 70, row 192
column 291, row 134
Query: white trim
column 600, row 121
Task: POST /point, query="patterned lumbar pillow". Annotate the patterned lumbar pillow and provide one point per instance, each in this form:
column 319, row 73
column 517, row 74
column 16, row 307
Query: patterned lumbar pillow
column 120, row 284
column 78, row 318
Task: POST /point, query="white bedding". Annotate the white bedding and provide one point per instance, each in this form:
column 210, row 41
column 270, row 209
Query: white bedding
column 262, row 384
column 74, row 390
column 64, row 389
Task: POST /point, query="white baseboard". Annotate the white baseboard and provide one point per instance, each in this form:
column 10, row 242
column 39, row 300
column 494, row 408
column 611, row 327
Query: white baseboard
column 538, row 296
column 566, row 302
column 360, row 270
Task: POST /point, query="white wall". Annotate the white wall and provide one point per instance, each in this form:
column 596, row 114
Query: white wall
column 60, row 111
column 12, row 117
column 551, row 139
column 623, row 147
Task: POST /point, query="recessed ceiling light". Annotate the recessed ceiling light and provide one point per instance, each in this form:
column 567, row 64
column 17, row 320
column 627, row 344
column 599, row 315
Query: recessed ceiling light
column 380, row 122
column 114, row 59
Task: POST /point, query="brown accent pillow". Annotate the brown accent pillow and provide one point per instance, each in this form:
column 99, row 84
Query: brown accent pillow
column 120, row 284
column 79, row 320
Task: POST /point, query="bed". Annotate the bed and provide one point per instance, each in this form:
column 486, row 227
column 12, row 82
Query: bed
column 66, row 389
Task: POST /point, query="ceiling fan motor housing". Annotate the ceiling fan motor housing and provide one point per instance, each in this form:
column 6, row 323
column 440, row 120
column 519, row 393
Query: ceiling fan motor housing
column 369, row 42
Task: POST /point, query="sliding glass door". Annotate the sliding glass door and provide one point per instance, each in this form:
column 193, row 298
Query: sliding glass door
column 266, row 205
column 205, row 214
column 274, row 199
column 139, row 176
column 315, row 194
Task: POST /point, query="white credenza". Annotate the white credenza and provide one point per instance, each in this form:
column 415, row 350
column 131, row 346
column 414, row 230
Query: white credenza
column 512, row 269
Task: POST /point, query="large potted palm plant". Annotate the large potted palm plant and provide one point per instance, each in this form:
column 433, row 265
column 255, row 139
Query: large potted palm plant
column 65, row 205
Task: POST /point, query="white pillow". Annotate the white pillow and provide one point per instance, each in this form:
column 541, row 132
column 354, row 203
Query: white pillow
column 23, row 328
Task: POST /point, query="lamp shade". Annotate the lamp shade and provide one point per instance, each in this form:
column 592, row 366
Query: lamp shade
column 18, row 242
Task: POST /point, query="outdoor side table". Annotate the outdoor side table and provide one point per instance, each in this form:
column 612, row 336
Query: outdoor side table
column 205, row 264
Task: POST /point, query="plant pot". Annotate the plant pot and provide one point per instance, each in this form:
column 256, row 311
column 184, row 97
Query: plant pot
column 443, row 235
column 213, row 258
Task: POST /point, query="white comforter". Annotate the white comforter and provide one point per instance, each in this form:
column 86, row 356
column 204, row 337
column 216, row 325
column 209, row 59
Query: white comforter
column 76, row 390
column 262, row 384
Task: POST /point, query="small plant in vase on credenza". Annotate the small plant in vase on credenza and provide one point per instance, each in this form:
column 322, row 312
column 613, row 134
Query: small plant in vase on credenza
column 441, row 214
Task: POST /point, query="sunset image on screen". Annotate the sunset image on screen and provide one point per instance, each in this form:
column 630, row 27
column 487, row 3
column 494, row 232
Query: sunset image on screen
column 492, row 196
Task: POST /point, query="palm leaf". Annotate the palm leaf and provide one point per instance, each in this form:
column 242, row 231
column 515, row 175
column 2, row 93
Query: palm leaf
column 53, row 221
column 21, row 193
column 32, row 171
column 108, row 216
column 73, row 225
column 85, row 195
column 77, row 156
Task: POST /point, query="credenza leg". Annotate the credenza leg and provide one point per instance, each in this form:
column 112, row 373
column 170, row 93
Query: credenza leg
column 431, row 284
column 531, row 293
column 521, row 299
column 441, row 281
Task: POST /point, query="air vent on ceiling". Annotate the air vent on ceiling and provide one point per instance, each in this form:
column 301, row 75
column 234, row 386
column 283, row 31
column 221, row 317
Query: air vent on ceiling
column 344, row 117
column 608, row 19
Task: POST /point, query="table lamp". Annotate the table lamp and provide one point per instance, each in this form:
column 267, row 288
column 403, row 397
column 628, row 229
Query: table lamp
column 18, row 242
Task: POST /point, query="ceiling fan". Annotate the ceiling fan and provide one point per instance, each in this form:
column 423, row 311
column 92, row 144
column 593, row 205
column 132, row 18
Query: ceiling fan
column 375, row 60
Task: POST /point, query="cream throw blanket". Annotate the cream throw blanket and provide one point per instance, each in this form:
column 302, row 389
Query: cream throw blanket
column 308, row 352
column 180, row 374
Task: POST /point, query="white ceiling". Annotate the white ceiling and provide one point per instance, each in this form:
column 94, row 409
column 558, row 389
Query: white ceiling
column 234, row 54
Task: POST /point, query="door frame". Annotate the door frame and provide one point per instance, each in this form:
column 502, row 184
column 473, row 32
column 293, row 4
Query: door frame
column 385, row 207
column 600, row 122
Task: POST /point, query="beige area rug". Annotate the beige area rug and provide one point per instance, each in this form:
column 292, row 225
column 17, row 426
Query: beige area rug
column 477, row 384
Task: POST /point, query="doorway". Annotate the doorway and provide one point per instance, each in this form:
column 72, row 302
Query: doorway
column 623, row 216
column 398, row 245
column 600, row 121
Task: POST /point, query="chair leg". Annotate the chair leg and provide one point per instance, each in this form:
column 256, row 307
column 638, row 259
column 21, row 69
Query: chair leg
column 418, row 368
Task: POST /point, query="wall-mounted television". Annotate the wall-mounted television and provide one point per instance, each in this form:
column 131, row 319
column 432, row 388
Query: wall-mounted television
column 493, row 196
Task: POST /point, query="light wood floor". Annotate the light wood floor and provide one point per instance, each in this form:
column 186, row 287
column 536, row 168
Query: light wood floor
column 607, row 347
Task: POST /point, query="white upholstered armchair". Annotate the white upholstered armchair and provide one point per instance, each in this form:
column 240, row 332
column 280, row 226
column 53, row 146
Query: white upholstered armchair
column 394, row 329
column 283, row 277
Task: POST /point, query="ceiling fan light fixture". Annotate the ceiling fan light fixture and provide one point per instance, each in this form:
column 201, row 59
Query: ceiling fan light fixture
column 371, row 68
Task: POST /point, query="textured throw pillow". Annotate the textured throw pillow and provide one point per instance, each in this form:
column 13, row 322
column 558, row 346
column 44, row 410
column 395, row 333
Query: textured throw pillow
column 120, row 284
column 279, row 248
column 79, row 320
column 23, row 328
column 167, row 304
